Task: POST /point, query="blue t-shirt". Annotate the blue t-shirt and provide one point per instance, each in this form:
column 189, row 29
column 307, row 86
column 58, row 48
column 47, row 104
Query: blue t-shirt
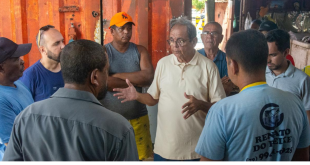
column 12, row 101
column 219, row 60
column 261, row 123
column 41, row 82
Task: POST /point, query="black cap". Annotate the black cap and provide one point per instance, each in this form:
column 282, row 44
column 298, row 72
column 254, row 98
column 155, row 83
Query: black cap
column 267, row 26
column 10, row 49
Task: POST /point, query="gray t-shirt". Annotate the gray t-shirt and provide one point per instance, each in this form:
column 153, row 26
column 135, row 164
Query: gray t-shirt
column 128, row 61
column 71, row 125
column 292, row 80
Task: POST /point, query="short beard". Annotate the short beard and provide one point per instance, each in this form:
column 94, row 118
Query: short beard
column 53, row 56
column 102, row 93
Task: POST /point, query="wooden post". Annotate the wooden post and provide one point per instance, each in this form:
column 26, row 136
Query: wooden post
column 211, row 10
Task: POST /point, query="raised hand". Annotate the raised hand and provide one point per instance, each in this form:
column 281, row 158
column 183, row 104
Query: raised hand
column 191, row 107
column 127, row 94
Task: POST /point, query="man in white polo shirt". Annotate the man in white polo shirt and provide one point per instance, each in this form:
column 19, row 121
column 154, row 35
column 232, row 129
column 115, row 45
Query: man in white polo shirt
column 185, row 86
column 280, row 72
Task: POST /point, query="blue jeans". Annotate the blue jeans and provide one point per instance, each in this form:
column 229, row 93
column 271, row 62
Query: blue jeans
column 159, row 158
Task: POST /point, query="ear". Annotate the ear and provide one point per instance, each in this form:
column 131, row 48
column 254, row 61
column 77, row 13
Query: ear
column 42, row 50
column 1, row 68
column 194, row 41
column 112, row 31
column 221, row 38
column 286, row 52
column 234, row 67
column 94, row 77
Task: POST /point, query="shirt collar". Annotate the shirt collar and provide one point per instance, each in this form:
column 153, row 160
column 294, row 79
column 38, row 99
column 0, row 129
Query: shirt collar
column 76, row 94
column 193, row 61
column 219, row 55
column 288, row 73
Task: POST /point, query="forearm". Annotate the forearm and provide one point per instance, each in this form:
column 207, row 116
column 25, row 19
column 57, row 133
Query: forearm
column 6, row 144
column 147, row 99
column 116, row 83
column 140, row 78
column 205, row 106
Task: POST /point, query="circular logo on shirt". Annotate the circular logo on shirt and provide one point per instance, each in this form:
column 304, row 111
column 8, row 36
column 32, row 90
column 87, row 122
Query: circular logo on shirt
column 271, row 116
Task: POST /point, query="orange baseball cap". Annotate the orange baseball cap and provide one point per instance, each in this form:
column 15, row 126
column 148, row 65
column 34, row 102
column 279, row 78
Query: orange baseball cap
column 120, row 19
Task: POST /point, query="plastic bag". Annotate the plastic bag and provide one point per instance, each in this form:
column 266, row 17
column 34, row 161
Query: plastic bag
column 248, row 21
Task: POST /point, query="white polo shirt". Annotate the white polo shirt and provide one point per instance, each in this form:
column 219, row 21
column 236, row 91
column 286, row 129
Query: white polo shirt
column 176, row 138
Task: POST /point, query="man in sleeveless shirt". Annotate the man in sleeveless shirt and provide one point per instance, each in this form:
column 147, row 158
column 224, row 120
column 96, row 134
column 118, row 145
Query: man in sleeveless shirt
column 129, row 61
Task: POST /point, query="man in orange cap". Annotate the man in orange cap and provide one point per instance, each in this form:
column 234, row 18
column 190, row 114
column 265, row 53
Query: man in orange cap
column 129, row 61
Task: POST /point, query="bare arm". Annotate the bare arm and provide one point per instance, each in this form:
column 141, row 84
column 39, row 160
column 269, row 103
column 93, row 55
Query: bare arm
column 141, row 78
column 301, row 154
column 193, row 105
column 116, row 83
column 206, row 159
column 6, row 144
column 130, row 94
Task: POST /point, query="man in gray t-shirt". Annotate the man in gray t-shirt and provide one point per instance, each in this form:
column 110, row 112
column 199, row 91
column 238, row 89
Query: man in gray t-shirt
column 72, row 124
column 281, row 74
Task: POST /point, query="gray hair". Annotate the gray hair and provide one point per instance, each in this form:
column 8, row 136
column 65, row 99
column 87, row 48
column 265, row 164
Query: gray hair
column 191, row 29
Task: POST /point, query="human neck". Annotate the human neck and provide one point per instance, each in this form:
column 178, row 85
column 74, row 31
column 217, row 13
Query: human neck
column 282, row 69
column 6, row 82
column 187, row 58
column 121, row 47
column 51, row 65
column 246, row 78
column 211, row 53
column 79, row 87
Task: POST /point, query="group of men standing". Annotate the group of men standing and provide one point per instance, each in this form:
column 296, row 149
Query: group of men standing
column 76, row 89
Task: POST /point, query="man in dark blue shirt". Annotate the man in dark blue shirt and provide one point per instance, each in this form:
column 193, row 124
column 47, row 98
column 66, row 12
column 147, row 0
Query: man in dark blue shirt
column 211, row 37
column 44, row 77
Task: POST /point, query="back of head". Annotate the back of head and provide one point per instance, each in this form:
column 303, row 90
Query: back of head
column 267, row 26
column 280, row 37
column 249, row 48
column 79, row 58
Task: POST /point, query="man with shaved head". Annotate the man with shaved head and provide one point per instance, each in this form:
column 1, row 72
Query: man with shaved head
column 44, row 77
column 211, row 37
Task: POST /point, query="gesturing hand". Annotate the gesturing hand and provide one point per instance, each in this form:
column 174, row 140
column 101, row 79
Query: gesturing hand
column 128, row 94
column 191, row 107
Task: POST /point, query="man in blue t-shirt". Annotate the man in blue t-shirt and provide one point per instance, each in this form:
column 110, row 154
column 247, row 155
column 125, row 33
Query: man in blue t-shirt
column 14, row 96
column 260, row 123
column 211, row 37
column 44, row 77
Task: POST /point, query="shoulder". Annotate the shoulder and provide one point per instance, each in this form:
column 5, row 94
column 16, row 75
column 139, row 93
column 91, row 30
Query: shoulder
column 32, row 69
column 141, row 48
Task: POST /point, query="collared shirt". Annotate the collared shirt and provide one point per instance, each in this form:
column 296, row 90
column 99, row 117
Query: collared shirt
column 71, row 125
column 176, row 138
column 258, row 120
column 292, row 80
column 219, row 60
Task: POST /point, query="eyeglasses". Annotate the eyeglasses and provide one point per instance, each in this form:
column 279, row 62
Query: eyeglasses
column 215, row 34
column 43, row 29
column 180, row 42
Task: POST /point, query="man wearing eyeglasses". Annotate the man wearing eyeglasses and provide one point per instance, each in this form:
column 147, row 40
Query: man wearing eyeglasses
column 185, row 86
column 129, row 61
column 211, row 38
column 44, row 77
column 14, row 96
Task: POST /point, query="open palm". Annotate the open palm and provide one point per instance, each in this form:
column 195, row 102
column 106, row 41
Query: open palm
column 127, row 94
